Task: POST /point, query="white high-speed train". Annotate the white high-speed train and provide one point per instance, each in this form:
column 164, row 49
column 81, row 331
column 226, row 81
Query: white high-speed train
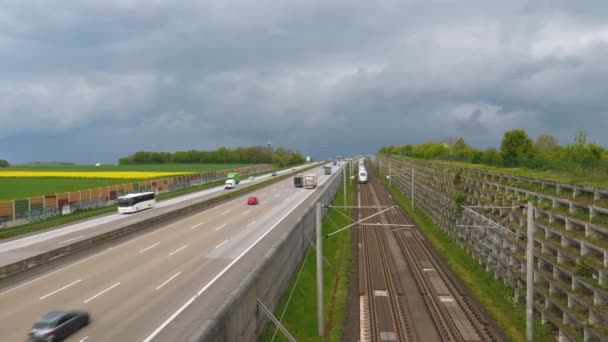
column 362, row 172
column 362, row 175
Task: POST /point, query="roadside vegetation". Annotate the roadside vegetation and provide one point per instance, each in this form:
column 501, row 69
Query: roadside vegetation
column 300, row 317
column 496, row 298
column 579, row 162
column 249, row 155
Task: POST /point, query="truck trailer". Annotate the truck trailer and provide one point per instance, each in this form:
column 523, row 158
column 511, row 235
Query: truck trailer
column 310, row 181
column 235, row 176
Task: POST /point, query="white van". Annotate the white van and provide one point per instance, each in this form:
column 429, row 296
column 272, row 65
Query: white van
column 230, row 184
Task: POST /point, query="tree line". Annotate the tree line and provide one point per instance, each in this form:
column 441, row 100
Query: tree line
column 517, row 149
column 242, row 155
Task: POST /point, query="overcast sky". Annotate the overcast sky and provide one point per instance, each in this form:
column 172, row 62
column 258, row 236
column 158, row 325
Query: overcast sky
column 95, row 80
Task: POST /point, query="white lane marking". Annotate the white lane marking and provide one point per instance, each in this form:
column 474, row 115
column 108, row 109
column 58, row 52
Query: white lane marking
column 177, row 250
column 220, row 227
column 84, row 339
column 226, row 212
column 145, row 249
column 72, row 239
column 46, row 275
column 212, row 281
column 162, row 326
column 197, row 225
column 218, row 246
column 100, row 293
column 246, row 212
column 168, row 280
column 131, row 221
column 251, row 224
column 63, row 288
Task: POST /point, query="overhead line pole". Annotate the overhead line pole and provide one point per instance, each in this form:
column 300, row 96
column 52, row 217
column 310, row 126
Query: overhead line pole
column 390, row 180
column 412, row 195
column 319, row 271
column 344, row 176
column 530, row 275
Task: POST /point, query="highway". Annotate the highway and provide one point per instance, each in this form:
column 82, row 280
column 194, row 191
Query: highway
column 20, row 248
column 133, row 289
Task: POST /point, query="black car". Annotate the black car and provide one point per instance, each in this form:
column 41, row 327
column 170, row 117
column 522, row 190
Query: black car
column 58, row 325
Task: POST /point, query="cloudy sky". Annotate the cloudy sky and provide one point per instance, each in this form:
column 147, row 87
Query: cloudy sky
column 94, row 80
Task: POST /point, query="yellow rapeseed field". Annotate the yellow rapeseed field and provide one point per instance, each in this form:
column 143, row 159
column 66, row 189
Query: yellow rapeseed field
column 91, row 174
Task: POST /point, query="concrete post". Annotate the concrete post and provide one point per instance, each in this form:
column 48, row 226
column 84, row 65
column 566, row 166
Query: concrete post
column 530, row 275
column 319, row 271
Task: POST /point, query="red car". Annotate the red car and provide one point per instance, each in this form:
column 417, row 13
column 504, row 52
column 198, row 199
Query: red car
column 252, row 200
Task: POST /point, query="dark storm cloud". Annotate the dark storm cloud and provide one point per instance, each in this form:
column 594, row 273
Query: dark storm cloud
column 96, row 80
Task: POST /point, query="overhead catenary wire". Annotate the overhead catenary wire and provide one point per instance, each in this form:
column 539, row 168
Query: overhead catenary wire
column 364, row 219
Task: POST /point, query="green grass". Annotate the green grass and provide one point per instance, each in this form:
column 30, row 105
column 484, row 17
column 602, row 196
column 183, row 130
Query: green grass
column 17, row 188
column 300, row 318
column 139, row 167
column 556, row 176
column 494, row 296
column 26, row 187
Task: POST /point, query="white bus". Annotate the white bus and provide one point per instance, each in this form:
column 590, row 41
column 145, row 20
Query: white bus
column 133, row 203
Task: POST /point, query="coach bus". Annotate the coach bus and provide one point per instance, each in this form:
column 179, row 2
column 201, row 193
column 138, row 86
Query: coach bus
column 133, row 203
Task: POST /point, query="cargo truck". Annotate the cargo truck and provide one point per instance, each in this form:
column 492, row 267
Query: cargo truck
column 298, row 181
column 327, row 170
column 234, row 176
column 310, row 181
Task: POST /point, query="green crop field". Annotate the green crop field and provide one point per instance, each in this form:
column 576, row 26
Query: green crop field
column 25, row 187
column 140, row 167
column 17, row 188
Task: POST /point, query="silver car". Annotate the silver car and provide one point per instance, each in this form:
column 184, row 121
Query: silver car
column 58, row 325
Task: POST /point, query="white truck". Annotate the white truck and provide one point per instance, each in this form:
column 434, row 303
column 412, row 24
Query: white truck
column 310, row 181
column 230, row 184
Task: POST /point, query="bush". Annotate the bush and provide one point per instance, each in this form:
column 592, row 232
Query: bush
column 4, row 163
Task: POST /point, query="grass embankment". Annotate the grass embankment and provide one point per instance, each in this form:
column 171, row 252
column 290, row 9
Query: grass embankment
column 578, row 177
column 496, row 298
column 59, row 220
column 300, row 318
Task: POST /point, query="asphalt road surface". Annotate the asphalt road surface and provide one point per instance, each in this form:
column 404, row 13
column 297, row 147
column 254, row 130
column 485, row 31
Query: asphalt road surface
column 135, row 290
column 21, row 248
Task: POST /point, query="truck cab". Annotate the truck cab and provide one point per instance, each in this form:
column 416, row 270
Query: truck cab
column 230, row 184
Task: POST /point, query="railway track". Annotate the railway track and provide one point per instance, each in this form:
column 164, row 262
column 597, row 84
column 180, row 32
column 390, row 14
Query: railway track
column 406, row 291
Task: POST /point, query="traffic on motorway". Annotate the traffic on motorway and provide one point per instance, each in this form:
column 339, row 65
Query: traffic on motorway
column 180, row 255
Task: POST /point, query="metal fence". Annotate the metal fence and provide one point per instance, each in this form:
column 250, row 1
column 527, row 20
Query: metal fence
column 38, row 208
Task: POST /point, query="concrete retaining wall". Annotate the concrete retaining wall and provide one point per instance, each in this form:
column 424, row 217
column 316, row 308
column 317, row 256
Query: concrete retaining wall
column 238, row 319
